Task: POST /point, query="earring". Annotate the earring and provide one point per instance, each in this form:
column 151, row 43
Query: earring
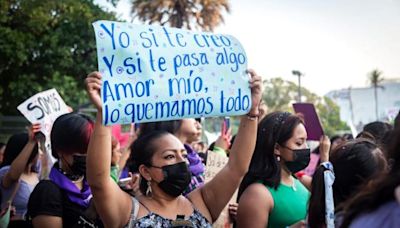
column 278, row 158
column 149, row 192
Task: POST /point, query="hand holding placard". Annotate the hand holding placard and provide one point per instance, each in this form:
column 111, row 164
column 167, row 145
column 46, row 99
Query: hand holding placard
column 44, row 108
column 256, row 93
column 152, row 73
column 93, row 86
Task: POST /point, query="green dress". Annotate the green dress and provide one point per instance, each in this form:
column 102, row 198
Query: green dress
column 290, row 205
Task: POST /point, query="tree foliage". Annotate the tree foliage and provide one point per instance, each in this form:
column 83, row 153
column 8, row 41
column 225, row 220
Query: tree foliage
column 375, row 79
column 204, row 14
column 46, row 44
column 279, row 95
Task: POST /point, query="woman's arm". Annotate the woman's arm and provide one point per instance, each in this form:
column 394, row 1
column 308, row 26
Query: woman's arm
column 126, row 151
column 112, row 204
column 47, row 221
column 18, row 166
column 324, row 148
column 216, row 194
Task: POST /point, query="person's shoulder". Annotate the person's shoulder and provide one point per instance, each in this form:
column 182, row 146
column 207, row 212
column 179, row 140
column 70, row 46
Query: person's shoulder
column 46, row 188
column 47, row 184
column 4, row 170
column 46, row 199
column 387, row 215
column 257, row 194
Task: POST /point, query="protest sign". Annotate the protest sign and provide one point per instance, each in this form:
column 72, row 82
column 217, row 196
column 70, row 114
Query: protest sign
column 215, row 162
column 308, row 113
column 154, row 73
column 44, row 108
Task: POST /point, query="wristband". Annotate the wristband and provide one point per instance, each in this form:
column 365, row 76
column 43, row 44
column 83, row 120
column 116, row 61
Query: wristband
column 252, row 116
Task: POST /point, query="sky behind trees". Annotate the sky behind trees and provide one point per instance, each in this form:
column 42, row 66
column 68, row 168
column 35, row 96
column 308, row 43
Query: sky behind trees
column 335, row 43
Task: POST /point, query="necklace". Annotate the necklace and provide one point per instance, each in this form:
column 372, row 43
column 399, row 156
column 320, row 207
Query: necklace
column 74, row 178
column 294, row 184
column 80, row 179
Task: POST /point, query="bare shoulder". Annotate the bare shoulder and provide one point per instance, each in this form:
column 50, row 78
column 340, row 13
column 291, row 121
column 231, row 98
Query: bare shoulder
column 258, row 196
column 255, row 204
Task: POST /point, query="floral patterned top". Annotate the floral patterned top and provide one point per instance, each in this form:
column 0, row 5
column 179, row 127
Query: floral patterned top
column 196, row 219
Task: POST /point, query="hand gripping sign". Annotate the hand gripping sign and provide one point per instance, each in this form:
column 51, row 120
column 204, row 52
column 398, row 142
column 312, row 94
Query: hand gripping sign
column 154, row 73
column 44, row 108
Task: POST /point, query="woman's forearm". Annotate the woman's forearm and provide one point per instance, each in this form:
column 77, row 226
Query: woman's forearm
column 99, row 154
column 241, row 152
column 18, row 166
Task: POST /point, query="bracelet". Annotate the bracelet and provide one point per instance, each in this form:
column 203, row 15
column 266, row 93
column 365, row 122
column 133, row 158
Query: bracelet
column 252, row 116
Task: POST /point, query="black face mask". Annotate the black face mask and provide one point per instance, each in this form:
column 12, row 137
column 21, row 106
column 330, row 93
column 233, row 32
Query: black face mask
column 79, row 165
column 78, row 168
column 301, row 158
column 176, row 178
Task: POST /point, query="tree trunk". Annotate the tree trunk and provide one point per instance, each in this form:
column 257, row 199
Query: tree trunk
column 376, row 101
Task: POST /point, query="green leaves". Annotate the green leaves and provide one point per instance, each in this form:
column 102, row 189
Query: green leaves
column 46, row 44
column 280, row 94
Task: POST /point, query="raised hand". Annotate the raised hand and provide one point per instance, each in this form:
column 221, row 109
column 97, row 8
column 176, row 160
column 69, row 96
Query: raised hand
column 224, row 139
column 93, row 86
column 324, row 148
column 34, row 131
column 256, row 92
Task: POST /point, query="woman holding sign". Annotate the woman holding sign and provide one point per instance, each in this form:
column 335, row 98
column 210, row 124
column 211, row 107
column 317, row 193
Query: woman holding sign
column 165, row 174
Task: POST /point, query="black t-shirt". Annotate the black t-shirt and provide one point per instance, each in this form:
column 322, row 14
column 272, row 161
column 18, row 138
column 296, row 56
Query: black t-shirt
column 48, row 199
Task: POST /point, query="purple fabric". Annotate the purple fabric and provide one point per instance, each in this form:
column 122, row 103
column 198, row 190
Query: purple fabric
column 387, row 215
column 124, row 173
column 21, row 198
column 195, row 165
column 74, row 194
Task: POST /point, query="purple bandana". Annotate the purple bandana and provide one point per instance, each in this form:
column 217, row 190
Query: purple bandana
column 77, row 196
column 195, row 165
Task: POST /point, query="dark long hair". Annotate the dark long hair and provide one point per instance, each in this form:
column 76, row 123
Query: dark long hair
column 142, row 151
column 71, row 134
column 379, row 191
column 276, row 127
column 171, row 126
column 378, row 130
column 14, row 146
column 354, row 163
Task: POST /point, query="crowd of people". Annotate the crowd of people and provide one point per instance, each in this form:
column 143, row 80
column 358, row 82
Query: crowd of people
column 157, row 178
